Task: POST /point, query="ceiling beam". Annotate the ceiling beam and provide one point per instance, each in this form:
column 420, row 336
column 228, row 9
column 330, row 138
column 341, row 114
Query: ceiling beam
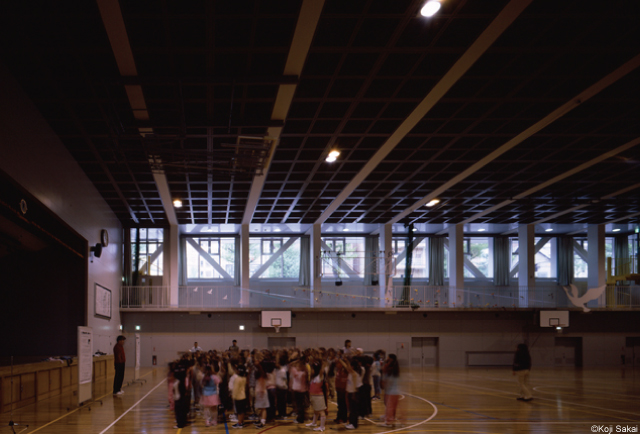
column 462, row 65
column 119, row 40
column 576, row 208
column 533, row 129
column 303, row 35
column 627, row 217
column 164, row 191
column 117, row 33
column 555, row 179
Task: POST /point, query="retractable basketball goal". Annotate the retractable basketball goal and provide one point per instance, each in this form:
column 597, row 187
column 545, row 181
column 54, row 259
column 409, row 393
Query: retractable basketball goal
column 276, row 319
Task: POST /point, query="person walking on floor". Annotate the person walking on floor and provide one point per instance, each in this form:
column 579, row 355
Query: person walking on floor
column 354, row 382
column 119, row 360
column 210, row 399
column 318, row 396
column 391, row 385
column 239, row 395
column 181, row 394
column 521, row 369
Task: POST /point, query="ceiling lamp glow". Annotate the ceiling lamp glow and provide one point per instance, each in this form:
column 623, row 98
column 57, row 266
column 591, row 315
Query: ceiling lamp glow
column 430, row 8
column 433, row 202
column 481, row 230
column 333, row 156
column 548, row 230
column 177, row 203
column 616, row 230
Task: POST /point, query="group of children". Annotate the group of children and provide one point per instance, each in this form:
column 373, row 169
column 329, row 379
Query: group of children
column 232, row 384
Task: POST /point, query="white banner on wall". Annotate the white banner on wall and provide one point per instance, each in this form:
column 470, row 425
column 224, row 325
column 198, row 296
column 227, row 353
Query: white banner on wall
column 85, row 364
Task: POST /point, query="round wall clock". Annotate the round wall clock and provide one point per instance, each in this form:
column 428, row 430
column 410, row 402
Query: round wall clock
column 104, row 238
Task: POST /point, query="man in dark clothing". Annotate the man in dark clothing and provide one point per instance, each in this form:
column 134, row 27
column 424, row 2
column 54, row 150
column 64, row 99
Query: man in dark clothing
column 521, row 368
column 118, row 361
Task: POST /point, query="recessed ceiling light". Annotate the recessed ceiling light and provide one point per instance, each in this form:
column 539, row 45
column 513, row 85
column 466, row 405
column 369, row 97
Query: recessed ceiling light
column 481, row 230
column 345, row 230
column 177, row 203
column 333, row 156
column 276, row 230
column 430, row 8
column 433, row 202
column 241, row 327
column 137, row 327
column 616, row 230
column 548, row 230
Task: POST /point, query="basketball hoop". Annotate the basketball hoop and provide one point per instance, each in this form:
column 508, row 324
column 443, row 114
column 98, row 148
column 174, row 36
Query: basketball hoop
column 276, row 323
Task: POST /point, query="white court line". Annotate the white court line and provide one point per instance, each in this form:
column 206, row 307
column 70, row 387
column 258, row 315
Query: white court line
column 406, row 427
column 131, row 408
column 568, row 389
column 551, row 382
column 435, row 412
column 546, row 384
column 540, row 422
column 543, row 399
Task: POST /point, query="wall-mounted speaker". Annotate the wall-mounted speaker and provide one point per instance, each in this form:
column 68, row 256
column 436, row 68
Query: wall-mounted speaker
column 97, row 250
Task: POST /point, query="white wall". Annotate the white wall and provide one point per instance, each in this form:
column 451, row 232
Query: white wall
column 166, row 334
column 32, row 154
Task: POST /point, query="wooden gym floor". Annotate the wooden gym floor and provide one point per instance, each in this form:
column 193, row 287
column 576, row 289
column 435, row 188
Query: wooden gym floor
column 444, row 400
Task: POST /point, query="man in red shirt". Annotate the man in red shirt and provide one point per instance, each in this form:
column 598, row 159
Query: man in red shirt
column 119, row 360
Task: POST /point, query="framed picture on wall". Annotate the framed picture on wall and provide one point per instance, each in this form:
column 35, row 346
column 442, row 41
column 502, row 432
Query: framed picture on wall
column 102, row 303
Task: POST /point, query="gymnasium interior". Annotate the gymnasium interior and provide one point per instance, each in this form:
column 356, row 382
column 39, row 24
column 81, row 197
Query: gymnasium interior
column 442, row 180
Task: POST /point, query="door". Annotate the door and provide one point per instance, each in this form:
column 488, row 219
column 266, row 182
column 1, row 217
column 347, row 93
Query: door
column 424, row 352
column 568, row 352
column 284, row 342
column 632, row 351
column 402, row 353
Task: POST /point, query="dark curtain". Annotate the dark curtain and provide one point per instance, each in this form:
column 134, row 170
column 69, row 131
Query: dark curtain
column 501, row 261
column 436, row 261
column 565, row 260
column 304, row 278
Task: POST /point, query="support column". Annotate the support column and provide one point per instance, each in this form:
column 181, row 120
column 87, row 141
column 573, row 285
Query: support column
column 456, row 262
column 491, row 244
column 244, row 265
column 596, row 276
column 526, row 263
column 553, row 243
column 170, row 261
column 316, row 263
column 385, row 267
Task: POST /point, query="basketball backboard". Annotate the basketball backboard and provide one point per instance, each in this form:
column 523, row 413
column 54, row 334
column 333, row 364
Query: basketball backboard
column 554, row 318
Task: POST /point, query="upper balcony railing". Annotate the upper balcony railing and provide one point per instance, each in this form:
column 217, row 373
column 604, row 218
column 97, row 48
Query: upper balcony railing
column 621, row 269
column 362, row 297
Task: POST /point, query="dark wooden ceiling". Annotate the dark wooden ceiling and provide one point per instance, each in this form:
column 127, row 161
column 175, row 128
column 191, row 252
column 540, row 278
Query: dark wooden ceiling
column 210, row 72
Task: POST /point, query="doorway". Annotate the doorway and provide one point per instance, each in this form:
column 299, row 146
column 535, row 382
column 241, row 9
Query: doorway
column 424, row 352
column 403, row 353
column 632, row 351
column 283, row 342
column 568, row 352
